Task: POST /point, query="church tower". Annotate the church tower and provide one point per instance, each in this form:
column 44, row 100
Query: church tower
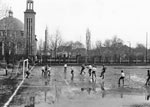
column 29, row 29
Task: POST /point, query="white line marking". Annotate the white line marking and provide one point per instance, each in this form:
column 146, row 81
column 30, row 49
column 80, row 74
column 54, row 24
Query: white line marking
column 38, row 86
column 10, row 99
column 66, row 82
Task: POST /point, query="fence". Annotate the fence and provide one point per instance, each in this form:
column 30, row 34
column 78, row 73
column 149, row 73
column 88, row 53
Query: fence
column 90, row 60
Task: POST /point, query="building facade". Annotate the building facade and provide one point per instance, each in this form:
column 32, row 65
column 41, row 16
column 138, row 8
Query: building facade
column 11, row 36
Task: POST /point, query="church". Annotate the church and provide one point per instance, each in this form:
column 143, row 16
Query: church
column 16, row 38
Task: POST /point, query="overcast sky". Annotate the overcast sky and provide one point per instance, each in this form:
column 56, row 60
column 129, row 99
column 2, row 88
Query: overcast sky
column 128, row 19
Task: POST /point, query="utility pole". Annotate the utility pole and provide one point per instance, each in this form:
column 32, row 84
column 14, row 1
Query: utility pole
column 129, row 51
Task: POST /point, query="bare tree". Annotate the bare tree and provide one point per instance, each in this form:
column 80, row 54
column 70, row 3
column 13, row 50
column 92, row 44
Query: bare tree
column 139, row 51
column 107, row 43
column 3, row 10
column 4, row 39
column 55, row 41
column 10, row 39
column 98, row 47
column 40, row 46
column 116, row 42
column 8, row 34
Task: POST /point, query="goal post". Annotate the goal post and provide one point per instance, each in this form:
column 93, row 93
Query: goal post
column 25, row 67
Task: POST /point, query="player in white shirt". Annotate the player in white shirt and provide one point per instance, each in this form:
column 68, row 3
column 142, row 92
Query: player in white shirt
column 94, row 73
column 90, row 70
column 121, row 78
column 65, row 68
column 65, row 71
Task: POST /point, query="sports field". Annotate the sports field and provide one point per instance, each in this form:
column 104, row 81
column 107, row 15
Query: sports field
column 60, row 91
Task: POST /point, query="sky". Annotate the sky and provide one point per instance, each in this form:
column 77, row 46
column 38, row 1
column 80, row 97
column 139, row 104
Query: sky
column 126, row 19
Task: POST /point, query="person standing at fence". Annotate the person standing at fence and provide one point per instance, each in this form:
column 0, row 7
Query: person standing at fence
column 121, row 78
column 103, row 72
column 148, row 77
column 6, row 70
column 82, row 69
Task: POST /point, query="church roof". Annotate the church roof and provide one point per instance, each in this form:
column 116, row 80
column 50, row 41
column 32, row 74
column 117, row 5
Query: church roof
column 11, row 23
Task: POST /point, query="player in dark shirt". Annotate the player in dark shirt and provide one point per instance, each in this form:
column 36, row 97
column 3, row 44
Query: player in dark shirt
column 72, row 73
column 148, row 77
column 103, row 71
column 82, row 69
